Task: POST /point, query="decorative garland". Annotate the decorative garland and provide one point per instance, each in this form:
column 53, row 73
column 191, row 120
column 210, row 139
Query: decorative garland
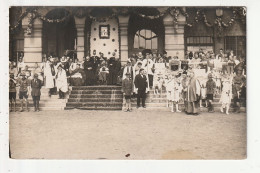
column 28, row 10
column 151, row 17
column 173, row 11
column 150, row 38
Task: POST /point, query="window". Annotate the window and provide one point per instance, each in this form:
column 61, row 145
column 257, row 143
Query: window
column 237, row 44
column 197, row 43
column 145, row 39
column 18, row 48
column 19, row 45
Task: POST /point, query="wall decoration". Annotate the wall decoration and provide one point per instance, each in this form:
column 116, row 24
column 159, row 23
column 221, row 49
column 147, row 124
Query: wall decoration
column 95, row 29
column 94, row 39
column 114, row 29
column 104, row 44
column 113, row 40
column 99, row 43
column 104, row 31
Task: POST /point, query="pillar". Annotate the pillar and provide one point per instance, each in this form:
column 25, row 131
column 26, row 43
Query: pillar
column 174, row 36
column 80, row 27
column 123, row 25
column 32, row 42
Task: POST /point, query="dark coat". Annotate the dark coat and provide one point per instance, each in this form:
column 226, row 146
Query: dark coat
column 36, row 87
column 127, row 86
column 114, row 67
column 140, row 82
column 89, row 73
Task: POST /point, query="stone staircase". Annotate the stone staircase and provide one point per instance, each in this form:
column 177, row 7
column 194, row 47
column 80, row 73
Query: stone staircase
column 46, row 103
column 95, row 98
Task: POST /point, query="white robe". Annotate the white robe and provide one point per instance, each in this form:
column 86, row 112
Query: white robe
column 49, row 82
column 61, row 81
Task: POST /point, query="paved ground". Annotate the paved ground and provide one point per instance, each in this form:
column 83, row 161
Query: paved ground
column 141, row 134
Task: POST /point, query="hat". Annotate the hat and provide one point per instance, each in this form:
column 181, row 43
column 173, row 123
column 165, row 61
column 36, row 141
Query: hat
column 128, row 61
column 11, row 75
column 35, row 75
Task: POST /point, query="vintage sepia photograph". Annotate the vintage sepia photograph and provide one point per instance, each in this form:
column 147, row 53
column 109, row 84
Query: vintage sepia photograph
column 128, row 82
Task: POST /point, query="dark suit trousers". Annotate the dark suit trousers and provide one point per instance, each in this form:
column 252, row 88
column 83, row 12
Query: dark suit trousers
column 36, row 100
column 141, row 94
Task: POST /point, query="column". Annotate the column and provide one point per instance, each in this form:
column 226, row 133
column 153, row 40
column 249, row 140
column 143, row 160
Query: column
column 32, row 42
column 174, row 36
column 80, row 26
column 123, row 25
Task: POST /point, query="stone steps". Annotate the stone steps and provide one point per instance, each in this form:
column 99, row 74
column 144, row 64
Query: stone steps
column 96, row 92
column 95, row 98
column 120, row 100
column 46, row 103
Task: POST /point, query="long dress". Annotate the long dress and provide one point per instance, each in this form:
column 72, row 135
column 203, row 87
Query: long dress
column 226, row 94
column 61, row 81
column 89, row 73
column 49, row 81
column 193, row 89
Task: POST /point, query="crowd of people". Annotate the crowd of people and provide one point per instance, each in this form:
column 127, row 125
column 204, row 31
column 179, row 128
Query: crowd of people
column 195, row 81
column 223, row 74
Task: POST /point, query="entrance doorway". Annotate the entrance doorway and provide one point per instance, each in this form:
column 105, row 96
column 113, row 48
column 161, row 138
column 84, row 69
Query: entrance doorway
column 145, row 33
column 59, row 38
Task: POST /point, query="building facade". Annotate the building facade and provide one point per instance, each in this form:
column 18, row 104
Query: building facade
column 36, row 32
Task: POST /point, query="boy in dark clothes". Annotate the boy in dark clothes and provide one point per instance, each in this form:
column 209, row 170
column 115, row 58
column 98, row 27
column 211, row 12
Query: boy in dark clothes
column 211, row 87
column 127, row 88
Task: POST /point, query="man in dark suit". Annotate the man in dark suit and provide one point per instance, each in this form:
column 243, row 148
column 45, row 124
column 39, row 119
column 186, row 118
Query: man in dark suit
column 36, row 85
column 141, row 85
column 96, row 62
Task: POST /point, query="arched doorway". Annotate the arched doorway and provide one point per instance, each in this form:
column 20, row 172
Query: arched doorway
column 145, row 33
column 59, row 37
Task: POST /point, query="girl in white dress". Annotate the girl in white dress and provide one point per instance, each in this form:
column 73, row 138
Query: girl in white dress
column 226, row 95
column 175, row 94
column 168, row 86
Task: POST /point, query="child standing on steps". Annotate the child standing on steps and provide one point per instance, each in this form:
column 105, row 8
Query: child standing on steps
column 168, row 86
column 158, row 85
column 211, row 87
column 127, row 89
column 203, row 96
column 226, row 95
column 175, row 94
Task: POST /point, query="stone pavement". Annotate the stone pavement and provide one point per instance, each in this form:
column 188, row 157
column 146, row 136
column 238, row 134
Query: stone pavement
column 141, row 134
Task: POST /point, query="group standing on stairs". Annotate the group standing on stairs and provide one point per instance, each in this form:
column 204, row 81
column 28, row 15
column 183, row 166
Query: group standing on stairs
column 224, row 74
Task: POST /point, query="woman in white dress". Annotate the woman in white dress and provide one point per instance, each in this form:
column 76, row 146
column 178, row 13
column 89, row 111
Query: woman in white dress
column 61, row 82
column 48, row 76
